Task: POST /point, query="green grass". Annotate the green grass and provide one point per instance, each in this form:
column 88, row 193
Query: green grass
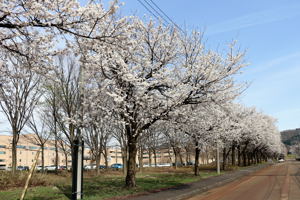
column 35, row 193
column 108, row 185
column 291, row 156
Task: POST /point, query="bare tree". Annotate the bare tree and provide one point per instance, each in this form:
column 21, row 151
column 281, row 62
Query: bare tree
column 153, row 141
column 41, row 134
column 65, row 95
column 96, row 138
column 51, row 106
column 64, row 146
column 121, row 137
column 19, row 94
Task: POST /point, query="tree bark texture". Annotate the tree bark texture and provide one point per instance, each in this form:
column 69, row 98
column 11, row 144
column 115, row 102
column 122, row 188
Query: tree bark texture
column 43, row 158
column 14, row 151
column 239, row 155
column 233, row 161
column 197, row 157
column 131, row 163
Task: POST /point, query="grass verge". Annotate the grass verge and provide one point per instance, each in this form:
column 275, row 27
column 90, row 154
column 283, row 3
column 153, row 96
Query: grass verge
column 106, row 185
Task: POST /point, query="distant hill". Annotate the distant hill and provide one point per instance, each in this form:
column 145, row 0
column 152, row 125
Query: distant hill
column 290, row 137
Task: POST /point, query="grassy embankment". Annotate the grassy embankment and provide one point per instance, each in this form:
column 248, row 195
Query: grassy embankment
column 108, row 184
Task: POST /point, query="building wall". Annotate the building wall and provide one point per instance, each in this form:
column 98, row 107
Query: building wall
column 26, row 151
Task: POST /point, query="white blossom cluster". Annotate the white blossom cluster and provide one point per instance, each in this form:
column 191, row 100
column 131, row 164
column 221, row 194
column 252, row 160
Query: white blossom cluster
column 230, row 124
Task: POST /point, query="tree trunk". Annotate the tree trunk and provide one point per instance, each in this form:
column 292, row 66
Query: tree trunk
column 98, row 158
column 141, row 159
column 249, row 159
column 187, row 156
column 207, row 155
column 224, row 159
column 155, row 159
column 54, row 107
column 150, row 159
column 170, row 156
column 244, row 154
column 233, row 155
column 14, row 151
column 180, row 157
column 124, row 159
column 175, row 155
column 131, row 163
column 56, row 147
column 66, row 159
column 257, row 158
column 197, row 157
column 244, row 159
column 239, row 155
column 105, row 158
column 43, row 158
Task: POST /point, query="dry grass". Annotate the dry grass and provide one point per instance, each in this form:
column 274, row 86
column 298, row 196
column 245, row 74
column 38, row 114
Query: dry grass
column 8, row 180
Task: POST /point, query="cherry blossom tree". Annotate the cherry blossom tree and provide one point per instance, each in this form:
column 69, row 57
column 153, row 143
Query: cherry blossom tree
column 44, row 23
column 131, row 73
column 156, row 70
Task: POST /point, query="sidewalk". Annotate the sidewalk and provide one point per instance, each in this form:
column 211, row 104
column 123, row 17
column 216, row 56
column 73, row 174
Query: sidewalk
column 188, row 190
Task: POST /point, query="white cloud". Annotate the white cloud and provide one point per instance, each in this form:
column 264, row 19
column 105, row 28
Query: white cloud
column 280, row 62
column 254, row 19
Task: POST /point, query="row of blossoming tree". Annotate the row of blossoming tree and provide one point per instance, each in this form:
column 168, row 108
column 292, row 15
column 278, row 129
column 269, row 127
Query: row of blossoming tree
column 96, row 74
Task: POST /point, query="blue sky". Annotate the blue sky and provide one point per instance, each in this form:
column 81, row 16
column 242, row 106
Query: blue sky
column 268, row 30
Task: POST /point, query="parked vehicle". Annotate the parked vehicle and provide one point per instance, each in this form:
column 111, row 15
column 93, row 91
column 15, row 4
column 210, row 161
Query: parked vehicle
column 62, row 167
column 178, row 164
column 164, row 165
column 116, row 166
column 102, row 167
column 39, row 168
column 23, row 168
column 190, row 163
column 89, row 167
column 50, row 168
column 281, row 160
column 2, row 167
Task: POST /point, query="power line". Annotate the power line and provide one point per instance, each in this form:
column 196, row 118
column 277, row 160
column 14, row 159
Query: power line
column 152, row 6
column 151, row 12
column 161, row 16
column 164, row 14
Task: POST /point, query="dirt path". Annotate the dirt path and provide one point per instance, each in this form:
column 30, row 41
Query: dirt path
column 277, row 182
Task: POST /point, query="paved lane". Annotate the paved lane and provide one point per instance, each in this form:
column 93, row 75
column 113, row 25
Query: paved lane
column 277, row 182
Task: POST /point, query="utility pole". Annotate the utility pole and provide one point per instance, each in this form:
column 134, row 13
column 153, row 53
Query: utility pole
column 78, row 151
column 77, row 169
column 218, row 160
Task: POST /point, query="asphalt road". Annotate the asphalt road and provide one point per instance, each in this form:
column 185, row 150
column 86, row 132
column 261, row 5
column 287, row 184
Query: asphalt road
column 277, row 182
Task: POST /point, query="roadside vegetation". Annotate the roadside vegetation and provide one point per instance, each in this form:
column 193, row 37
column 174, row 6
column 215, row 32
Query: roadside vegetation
column 104, row 186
